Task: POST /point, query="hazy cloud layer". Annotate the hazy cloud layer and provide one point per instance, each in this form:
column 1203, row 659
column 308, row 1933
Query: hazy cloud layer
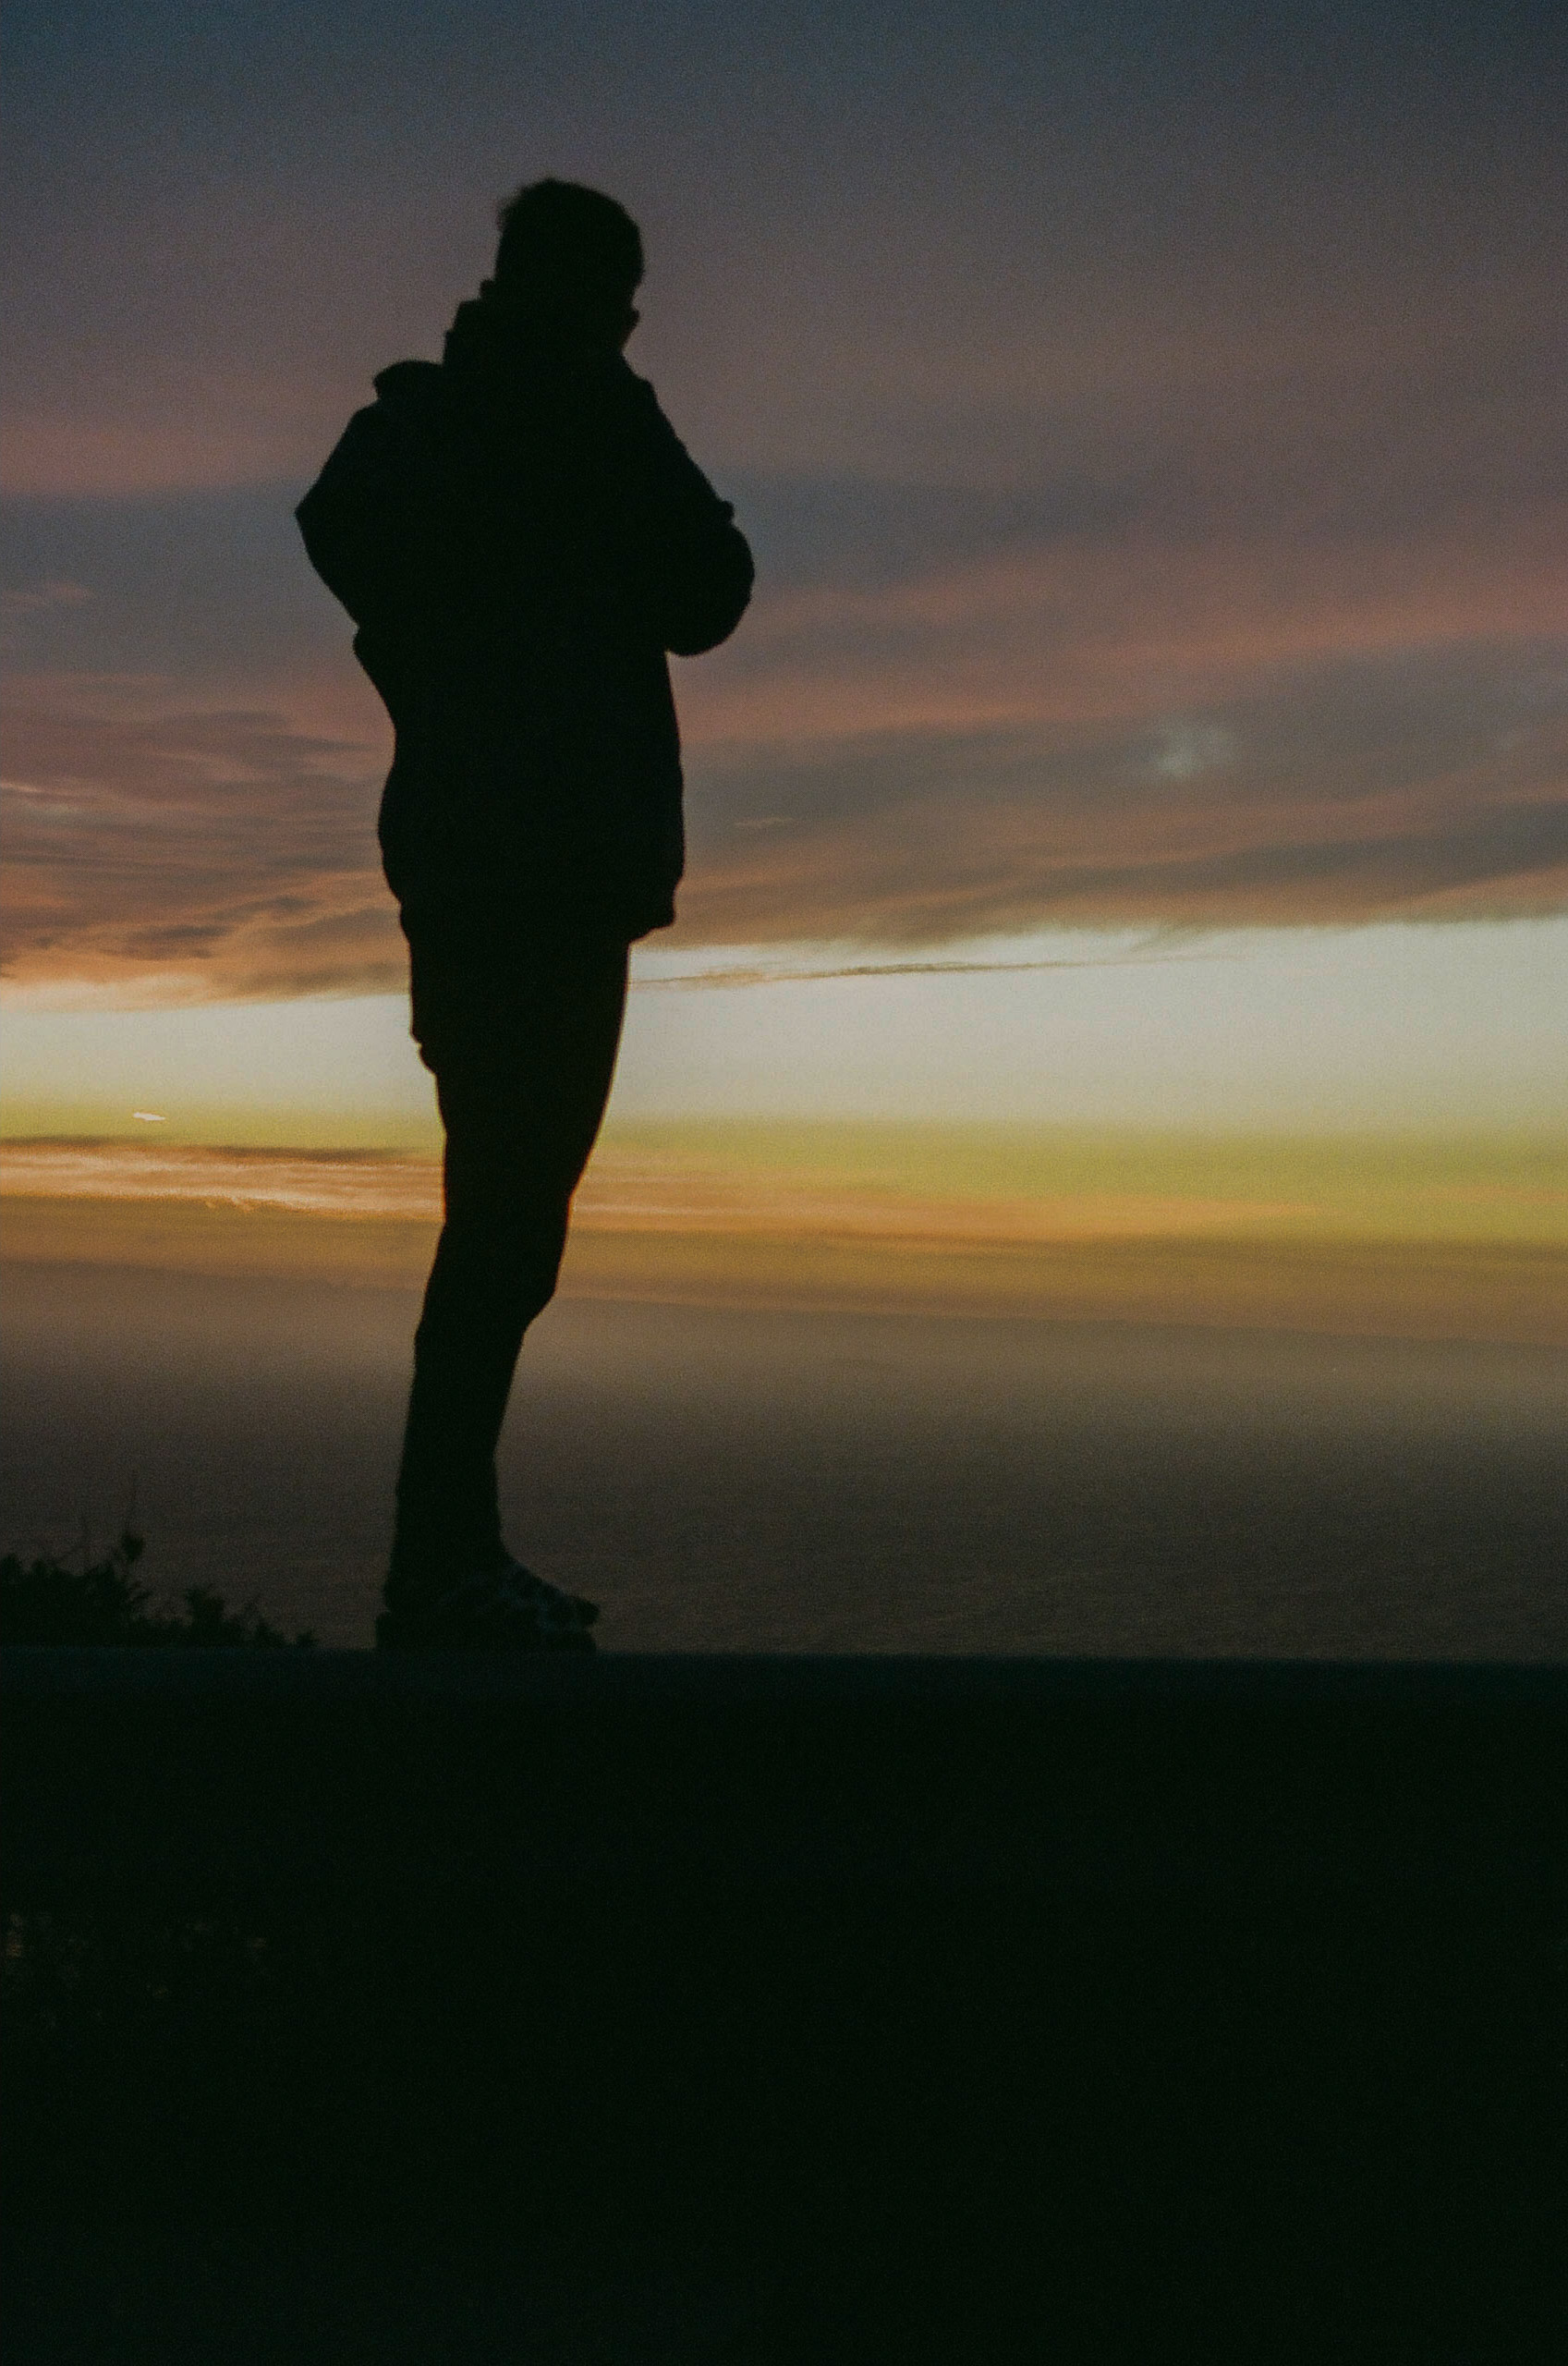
column 950, row 712
column 1357, row 790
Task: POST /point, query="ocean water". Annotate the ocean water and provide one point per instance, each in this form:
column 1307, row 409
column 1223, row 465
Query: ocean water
column 743, row 1481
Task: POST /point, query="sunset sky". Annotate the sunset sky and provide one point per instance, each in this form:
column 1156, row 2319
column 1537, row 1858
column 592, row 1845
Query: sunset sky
column 1148, row 420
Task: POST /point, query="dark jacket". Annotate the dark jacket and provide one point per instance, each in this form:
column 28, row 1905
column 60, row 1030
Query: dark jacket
column 520, row 537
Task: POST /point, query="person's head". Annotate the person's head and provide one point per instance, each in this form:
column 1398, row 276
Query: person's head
column 570, row 258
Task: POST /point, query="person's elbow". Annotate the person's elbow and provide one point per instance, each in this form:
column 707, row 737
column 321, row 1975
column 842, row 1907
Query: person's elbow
column 332, row 548
column 713, row 603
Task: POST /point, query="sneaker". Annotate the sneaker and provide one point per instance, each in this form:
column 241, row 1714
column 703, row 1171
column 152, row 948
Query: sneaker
column 508, row 1609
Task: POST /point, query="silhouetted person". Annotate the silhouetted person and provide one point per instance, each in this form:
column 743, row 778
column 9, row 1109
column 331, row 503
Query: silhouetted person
column 520, row 538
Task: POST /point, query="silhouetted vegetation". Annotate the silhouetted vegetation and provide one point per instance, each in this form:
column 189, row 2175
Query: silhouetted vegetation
column 54, row 1599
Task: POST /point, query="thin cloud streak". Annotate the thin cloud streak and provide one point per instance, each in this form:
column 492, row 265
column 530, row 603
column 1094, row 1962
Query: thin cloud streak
column 759, row 977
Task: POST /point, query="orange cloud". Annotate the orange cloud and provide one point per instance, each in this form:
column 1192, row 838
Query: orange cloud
column 222, row 852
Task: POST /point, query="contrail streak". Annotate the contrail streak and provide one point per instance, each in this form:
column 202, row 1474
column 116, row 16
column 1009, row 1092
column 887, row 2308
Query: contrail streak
column 925, row 970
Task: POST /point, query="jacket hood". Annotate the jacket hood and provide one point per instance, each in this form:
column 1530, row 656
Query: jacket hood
column 492, row 345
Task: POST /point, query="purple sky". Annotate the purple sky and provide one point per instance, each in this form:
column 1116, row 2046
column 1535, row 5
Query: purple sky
column 1149, row 422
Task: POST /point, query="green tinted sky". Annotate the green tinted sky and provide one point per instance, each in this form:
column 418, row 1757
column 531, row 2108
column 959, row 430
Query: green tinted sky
column 1427, row 1030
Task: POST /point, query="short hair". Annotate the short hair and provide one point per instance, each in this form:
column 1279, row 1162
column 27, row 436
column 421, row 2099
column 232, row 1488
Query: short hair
column 566, row 248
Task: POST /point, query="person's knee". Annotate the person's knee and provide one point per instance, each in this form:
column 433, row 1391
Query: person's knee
column 504, row 1255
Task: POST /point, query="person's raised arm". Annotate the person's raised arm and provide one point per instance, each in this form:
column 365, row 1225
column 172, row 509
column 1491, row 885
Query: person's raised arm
column 695, row 562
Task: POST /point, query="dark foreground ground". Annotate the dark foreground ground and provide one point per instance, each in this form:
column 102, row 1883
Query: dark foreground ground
column 764, row 2010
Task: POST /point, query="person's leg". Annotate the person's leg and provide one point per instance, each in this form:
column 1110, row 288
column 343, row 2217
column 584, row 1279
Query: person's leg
column 523, row 1047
